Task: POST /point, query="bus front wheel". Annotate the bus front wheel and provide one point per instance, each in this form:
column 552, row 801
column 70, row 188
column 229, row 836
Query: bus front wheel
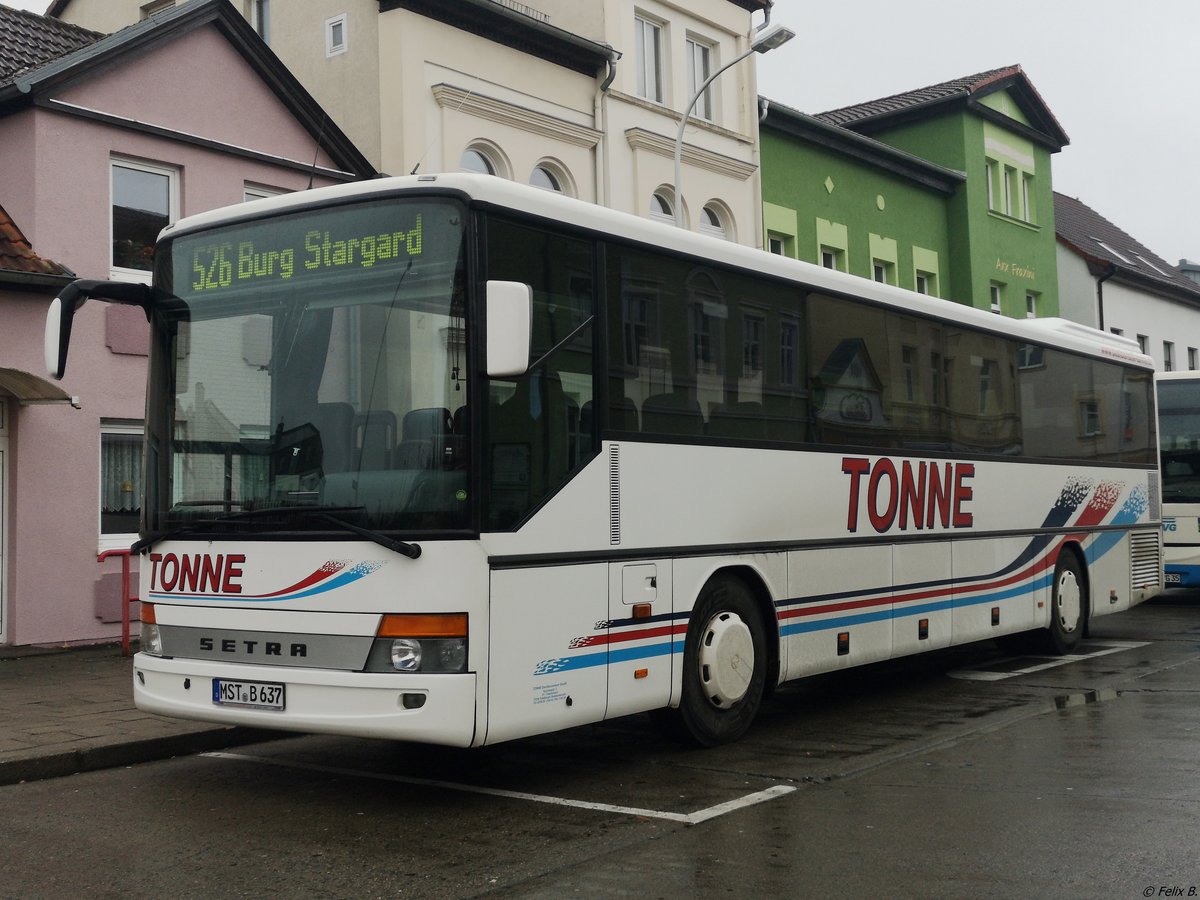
column 724, row 664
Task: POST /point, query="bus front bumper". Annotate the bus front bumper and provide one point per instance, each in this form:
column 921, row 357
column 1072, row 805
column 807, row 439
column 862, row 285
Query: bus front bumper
column 433, row 708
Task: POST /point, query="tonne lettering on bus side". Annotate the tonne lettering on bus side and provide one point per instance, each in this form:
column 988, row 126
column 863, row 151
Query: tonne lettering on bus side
column 911, row 495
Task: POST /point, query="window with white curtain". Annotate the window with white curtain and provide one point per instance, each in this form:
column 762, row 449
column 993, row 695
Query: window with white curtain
column 120, row 484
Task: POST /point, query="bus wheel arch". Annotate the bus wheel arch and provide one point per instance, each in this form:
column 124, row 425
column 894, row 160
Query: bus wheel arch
column 732, row 624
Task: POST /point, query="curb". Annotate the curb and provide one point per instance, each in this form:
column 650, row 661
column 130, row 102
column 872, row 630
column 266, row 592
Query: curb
column 112, row 756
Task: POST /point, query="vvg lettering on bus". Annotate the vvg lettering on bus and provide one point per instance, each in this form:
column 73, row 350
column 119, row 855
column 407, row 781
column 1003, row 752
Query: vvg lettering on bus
column 909, row 495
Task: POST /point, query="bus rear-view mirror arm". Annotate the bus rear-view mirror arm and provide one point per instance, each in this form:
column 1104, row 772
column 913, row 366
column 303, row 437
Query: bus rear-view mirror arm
column 509, row 324
column 63, row 307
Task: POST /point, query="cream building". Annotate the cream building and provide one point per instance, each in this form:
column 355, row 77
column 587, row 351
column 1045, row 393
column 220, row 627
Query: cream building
column 582, row 96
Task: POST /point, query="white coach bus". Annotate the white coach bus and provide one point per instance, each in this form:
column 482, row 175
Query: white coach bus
column 1179, row 439
column 454, row 460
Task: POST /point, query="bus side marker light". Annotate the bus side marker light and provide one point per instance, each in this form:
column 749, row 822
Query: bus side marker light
column 843, row 643
column 923, row 630
column 995, row 615
column 150, row 638
column 640, row 673
column 641, row 610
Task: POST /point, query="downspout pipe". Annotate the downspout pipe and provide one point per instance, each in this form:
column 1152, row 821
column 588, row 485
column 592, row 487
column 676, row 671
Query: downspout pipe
column 1108, row 273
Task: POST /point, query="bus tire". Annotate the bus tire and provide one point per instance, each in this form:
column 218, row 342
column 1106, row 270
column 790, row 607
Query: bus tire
column 724, row 664
column 1068, row 605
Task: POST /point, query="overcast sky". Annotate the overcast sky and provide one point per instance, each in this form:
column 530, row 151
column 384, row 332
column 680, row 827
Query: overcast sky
column 1120, row 76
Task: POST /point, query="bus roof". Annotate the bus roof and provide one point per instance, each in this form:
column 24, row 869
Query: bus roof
column 488, row 189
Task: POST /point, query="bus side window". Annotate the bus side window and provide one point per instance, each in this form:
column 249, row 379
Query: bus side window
column 536, row 431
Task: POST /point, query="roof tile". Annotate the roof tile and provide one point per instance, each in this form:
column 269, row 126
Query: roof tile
column 28, row 40
column 1100, row 241
column 847, row 116
column 16, row 254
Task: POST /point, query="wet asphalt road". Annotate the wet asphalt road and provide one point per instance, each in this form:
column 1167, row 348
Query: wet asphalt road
column 958, row 774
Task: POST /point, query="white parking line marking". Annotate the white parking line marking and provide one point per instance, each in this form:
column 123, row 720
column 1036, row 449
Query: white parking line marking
column 982, row 673
column 694, row 818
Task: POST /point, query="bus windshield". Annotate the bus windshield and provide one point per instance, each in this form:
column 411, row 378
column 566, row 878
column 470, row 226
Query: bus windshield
column 1179, row 436
column 316, row 371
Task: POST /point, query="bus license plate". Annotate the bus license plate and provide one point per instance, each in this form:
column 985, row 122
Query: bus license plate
column 255, row 694
column 1173, row 578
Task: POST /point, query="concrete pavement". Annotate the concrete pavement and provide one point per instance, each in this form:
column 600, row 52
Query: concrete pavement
column 68, row 711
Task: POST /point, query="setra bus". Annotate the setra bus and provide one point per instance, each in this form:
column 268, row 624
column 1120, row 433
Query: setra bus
column 1179, row 441
column 454, row 460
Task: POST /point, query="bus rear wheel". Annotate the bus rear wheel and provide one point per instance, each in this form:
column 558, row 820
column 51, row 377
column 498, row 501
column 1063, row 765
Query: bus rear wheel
column 1068, row 605
column 724, row 664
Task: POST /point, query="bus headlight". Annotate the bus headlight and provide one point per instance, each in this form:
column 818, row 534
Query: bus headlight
column 406, row 655
column 435, row 642
column 429, row 655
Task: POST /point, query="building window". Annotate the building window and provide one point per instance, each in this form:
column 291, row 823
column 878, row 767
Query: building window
column 477, row 161
column 1144, row 344
column 1010, row 178
column 922, row 283
column 908, row 361
column 120, row 484
column 648, row 41
column 713, row 222
column 1030, row 305
column 700, row 56
column 833, row 258
column 543, row 177
column 989, row 177
column 335, row 35
column 996, row 292
column 145, row 199
column 255, row 192
column 1192, row 359
column 149, row 9
column 260, row 18
column 883, row 272
column 1117, row 331
column 789, row 339
column 661, row 207
column 753, row 328
column 1027, row 198
column 1168, row 356
column 777, row 244
column 1089, row 418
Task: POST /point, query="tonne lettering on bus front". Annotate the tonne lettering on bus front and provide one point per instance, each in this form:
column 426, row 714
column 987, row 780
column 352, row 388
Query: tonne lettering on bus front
column 909, row 495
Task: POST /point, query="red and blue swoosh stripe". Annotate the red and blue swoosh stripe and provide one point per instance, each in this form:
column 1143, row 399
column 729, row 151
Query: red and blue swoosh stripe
column 623, row 640
column 331, row 576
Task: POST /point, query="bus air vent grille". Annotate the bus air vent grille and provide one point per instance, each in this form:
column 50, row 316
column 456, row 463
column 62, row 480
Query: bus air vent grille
column 1145, row 559
column 614, row 494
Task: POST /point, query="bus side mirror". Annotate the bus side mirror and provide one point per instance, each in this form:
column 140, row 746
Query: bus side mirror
column 62, row 310
column 509, row 318
column 58, row 335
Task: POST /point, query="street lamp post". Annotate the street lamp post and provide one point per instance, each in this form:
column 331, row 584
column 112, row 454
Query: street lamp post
column 768, row 40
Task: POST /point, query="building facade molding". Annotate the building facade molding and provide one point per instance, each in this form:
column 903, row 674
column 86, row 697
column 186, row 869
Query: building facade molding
column 717, row 163
column 501, row 112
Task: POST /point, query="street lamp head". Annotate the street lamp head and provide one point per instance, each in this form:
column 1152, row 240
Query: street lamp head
column 772, row 38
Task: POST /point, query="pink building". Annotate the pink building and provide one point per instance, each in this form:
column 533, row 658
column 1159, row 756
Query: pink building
column 103, row 141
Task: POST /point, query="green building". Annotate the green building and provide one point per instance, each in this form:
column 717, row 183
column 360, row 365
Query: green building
column 945, row 190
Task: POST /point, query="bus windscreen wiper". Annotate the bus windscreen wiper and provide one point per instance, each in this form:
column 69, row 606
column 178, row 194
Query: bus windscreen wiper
column 327, row 513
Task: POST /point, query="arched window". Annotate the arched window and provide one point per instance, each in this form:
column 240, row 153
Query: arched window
column 476, row 161
column 661, row 206
column 712, row 221
column 545, row 178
